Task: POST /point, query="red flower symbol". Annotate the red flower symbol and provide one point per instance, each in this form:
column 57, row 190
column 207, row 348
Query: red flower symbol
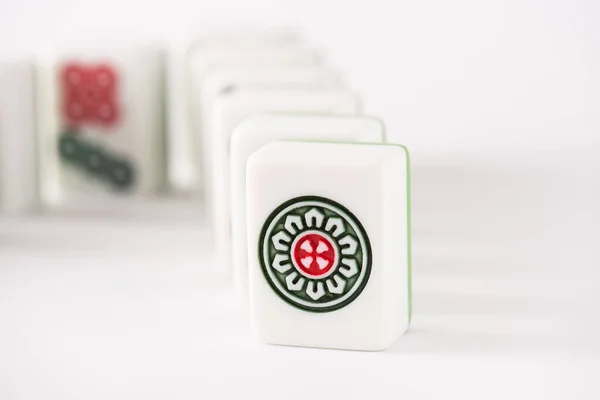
column 89, row 94
column 314, row 254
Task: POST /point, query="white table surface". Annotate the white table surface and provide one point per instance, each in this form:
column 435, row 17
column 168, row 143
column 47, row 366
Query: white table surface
column 121, row 300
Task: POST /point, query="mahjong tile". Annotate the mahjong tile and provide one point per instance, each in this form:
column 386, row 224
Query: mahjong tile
column 258, row 131
column 329, row 244
column 18, row 164
column 102, row 119
column 231, row 110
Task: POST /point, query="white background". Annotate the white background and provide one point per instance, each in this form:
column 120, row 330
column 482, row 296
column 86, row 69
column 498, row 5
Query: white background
column 498, row 101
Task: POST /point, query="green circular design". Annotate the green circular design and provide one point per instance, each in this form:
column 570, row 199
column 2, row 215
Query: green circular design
column 70, row 149
column 98, row 162
column 121, row 174
column 334, row 221
column 95, row 160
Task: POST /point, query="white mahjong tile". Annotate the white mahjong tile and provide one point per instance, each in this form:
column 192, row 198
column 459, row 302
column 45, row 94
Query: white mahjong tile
column 101, row 118
column 258, row 131
column 189, row 59
column 329, row 244
column 231, row 110
column 18, row 164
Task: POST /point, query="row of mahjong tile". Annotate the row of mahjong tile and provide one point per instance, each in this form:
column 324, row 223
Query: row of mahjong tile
column 139, row 113
column 308, row 226
column 312, row 213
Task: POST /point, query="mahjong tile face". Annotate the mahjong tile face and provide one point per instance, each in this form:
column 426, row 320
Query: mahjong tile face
column 91, row 110
column 329, row 244
column 105, row 112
